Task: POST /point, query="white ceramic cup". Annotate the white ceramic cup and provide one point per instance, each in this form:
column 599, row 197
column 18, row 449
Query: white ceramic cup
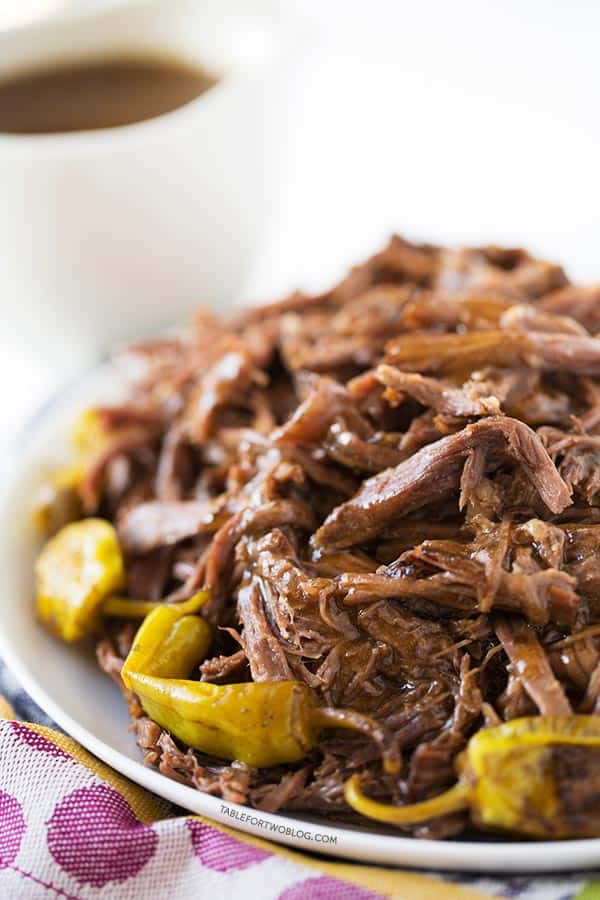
column 111, row 234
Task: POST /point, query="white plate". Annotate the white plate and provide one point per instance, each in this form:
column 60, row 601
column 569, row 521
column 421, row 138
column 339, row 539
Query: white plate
column 67, row 684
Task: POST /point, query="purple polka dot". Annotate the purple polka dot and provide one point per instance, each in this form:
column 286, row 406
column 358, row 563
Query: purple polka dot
column 94, row 835
column 326, row 888
column 12, row 829
column 37, row 741
column 221, row 852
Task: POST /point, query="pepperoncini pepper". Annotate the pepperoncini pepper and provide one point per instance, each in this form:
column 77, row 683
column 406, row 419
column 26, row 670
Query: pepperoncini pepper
column 59, row 501
column 77, row 569
column 168, row 643
column 78, row 572
column 126, row 608
column 87, row 438
column 262, row 724
column 515, row 777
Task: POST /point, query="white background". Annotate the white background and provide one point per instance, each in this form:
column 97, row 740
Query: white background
column 458, row 121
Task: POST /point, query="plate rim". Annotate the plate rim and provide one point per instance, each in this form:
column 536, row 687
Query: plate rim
column 352, row 843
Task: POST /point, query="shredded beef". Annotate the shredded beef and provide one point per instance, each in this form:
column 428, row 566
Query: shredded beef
column 223, row 668
column 443, row 398
column 392, row 492
column 262, row 647
column 161, row 523
column 434, row 472
column 580, row 303
column 455, row 353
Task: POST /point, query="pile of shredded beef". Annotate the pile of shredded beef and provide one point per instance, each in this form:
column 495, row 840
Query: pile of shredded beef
column 392, row 491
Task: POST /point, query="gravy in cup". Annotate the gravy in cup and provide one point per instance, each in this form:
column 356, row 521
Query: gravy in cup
column 101, row 94
column 110, row 234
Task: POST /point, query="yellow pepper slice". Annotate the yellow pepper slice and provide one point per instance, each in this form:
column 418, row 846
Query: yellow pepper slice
column 262, row 724
column 77, row 569
column 513, row 778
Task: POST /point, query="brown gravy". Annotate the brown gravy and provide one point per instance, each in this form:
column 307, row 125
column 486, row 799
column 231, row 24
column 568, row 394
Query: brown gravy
column 95, row 95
